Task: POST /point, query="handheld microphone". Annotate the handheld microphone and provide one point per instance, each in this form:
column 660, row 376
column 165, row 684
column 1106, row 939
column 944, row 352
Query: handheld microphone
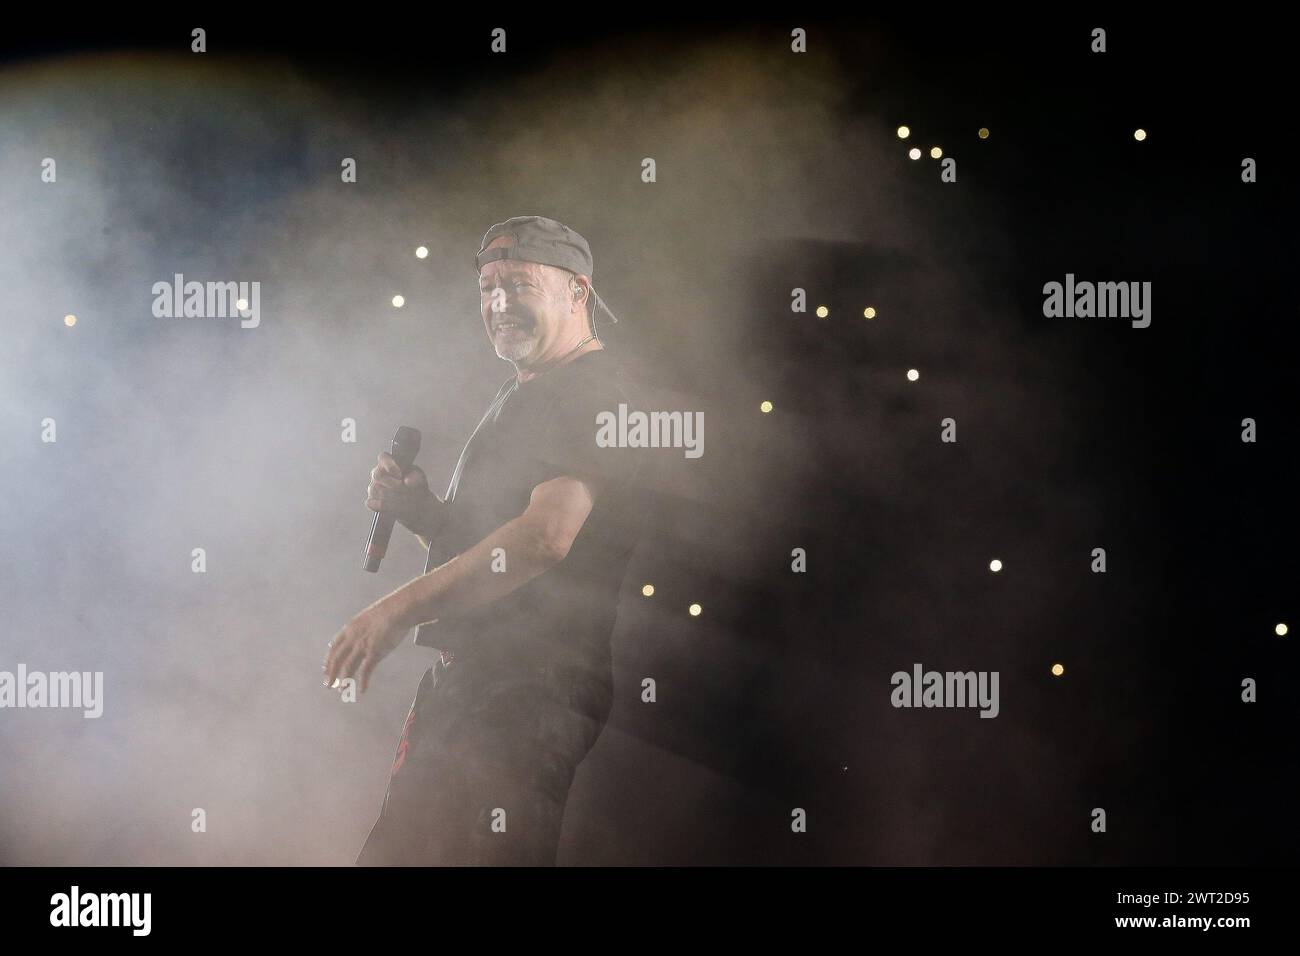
column 406, row 445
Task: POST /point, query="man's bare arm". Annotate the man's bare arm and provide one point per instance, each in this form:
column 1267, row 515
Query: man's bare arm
column 533, row 542
column 536, row 540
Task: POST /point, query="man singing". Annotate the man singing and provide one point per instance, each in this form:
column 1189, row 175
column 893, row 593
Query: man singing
column 527, row 553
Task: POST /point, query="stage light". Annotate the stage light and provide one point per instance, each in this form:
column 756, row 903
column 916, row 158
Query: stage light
column 398, row 302
column 1058, row 670
column 69, row 320
column 904, row 132
column 695, row 610
column 241, row 305
column 914, row 153
column 422, row 252
column 1280, row 630
column 1140, row 135
column 995, row 565
column 913, row 375
column 984, row 132
column 822, row 311
column 765, row 407
column 869, row 312
column 935, row 152
column 648, row 590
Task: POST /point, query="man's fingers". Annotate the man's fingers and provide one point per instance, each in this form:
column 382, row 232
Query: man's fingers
column 385, row 499
column 389, row 464
column 355, row 654
column 415, row 478
column 332, row 660
column 367, row 666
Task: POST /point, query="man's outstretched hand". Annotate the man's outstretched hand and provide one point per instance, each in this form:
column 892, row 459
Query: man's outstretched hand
column 364, row 642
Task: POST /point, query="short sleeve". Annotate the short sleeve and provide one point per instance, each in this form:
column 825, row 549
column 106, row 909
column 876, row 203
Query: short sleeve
column 578, row 437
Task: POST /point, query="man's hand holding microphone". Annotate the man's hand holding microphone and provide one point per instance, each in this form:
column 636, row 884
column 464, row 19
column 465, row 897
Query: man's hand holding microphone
column 406, row 498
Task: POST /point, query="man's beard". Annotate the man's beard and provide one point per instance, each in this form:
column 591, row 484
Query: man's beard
column 518, row 345
column 515, row 347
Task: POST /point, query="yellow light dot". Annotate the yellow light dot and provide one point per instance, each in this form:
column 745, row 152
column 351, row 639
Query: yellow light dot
column 913, row 375
column 984, row 132
column 1280, row 630
column 695, row 610
column 904, row 132
column 398, row 301
column 765, row 407
column 822, row 311
column 913, row 153
column 869, row 312
column 995, row 565
column 935, row 152
column 1058, row 670
column 69, row 320
column 1139, row 135
column 648, row 589
column 422, row 252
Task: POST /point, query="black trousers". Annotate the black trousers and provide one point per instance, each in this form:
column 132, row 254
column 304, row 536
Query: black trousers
column 484, row 766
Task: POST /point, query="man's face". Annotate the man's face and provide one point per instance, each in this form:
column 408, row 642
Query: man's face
column 527, row 308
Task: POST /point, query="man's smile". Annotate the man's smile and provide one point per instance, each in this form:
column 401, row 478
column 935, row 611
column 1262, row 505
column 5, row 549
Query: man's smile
column 507, row 325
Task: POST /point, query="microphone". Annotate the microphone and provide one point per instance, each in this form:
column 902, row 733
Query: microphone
column 406, row 445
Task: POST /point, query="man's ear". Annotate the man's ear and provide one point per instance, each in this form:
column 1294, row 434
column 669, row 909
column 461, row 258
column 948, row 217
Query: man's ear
column 578, row 289
column 583, row 292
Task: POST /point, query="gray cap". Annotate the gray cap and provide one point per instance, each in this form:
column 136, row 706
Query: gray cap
column 538, row 239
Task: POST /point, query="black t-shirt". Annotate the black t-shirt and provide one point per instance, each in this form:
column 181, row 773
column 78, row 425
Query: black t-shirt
column 543, row 429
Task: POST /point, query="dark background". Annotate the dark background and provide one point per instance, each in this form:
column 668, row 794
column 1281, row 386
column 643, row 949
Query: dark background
column 1073, row 434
